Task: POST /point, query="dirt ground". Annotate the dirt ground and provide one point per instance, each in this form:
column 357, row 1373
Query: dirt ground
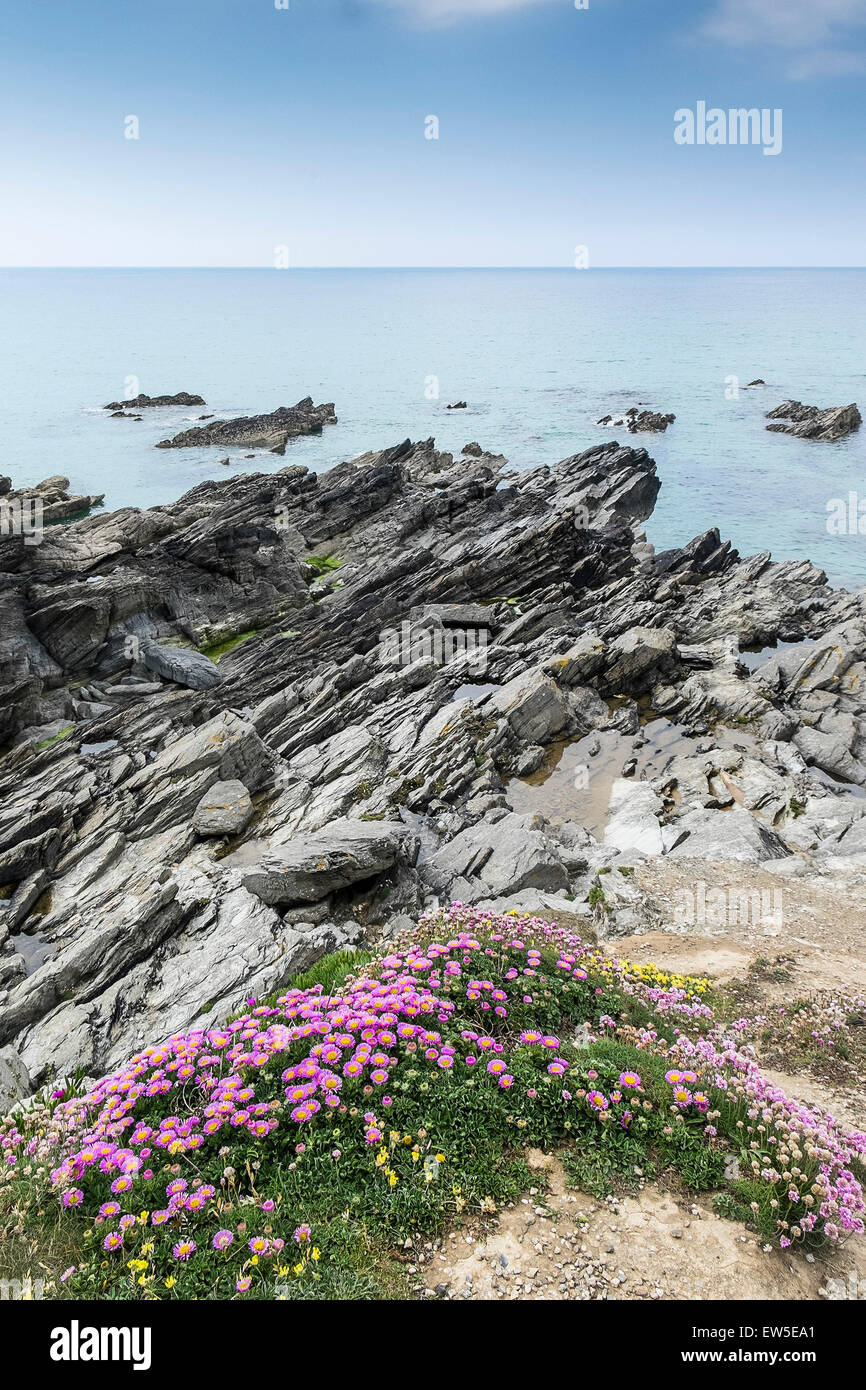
column 560, row 1243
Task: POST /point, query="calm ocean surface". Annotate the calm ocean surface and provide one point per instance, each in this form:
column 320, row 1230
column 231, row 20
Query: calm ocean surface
column 538, row 355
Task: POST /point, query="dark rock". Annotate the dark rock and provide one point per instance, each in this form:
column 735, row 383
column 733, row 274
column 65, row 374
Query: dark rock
column 811, row 422
column 141, row 402
column 258, row 431
column 636, row 421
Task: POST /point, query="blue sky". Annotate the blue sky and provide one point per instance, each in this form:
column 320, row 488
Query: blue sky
column 305, row 127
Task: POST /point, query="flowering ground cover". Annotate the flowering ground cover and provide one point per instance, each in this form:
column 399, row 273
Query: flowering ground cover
column 822, row 1031
column 290, row 1152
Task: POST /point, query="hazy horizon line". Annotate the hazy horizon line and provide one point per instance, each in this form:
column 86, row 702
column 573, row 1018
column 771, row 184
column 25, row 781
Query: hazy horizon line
column 270, row 270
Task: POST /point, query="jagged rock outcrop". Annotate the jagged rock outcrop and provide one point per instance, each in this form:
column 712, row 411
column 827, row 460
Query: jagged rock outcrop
column 414, row 635
column 811, row 422
column 142, row 402
column 258, row 431
column 637, row 421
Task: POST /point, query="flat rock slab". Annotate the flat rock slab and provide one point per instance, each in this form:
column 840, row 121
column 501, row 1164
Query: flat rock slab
column 190, row 668
column 224, row 810
column 312, row 866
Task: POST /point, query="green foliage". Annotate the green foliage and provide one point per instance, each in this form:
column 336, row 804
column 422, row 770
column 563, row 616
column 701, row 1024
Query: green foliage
column 57, row 738
column 216, row 650
column 322, row 564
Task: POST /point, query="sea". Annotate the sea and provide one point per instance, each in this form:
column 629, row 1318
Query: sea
column 539, row 356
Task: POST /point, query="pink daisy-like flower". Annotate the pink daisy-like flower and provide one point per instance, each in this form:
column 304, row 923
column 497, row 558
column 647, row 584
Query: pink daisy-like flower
column 629, row 1079
column 113, row 1241
column 597, row 1100
column 506, row 1082
column 183, row 1249
column 222, row 1240
column 243, row 1284
column 72, row 1197
column 303, row 1233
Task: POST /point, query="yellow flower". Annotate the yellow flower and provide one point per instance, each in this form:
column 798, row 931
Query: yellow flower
column 146, row 1249
column 254, row 1260
column 317, row 1254
column 282, row 1271
column 170, row 1282
column 299, row 1269
column 440, row 1158
column 143, row 1218
column 392, row 1180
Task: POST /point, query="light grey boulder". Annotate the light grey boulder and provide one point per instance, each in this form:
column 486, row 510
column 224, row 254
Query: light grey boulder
column 634, row 825
column 15, row 1081
column 528, row 761
column 536, row 709
column 492, row 860
column 224, row 810
column 310, row 867
column 582, row 661
column 733, row 834
column 829, row 753
column 168, row 790
column 181, row 665
column 633, row 655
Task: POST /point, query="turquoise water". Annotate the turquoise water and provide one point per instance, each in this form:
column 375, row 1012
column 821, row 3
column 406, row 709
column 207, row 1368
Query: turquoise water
column 538, row 355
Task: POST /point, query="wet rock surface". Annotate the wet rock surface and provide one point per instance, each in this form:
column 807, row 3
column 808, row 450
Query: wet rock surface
column 142, row 402
column 271, row 431
column 381, row 662
column 637, row 421
column 811, row 422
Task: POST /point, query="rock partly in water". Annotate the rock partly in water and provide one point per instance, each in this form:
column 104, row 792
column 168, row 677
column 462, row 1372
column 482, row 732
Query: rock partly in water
column 143, row 402
column 811, row 422
column 258, row 431
column 381, row 774
column 636, row 421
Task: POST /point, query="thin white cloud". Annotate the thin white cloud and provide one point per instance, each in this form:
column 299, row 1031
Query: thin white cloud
column 820, row 37
column 440, row 12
